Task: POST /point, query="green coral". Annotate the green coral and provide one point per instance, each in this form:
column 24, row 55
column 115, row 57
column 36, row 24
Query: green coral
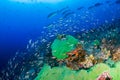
column 61, row 46
column 64, row 73
column 96, row 42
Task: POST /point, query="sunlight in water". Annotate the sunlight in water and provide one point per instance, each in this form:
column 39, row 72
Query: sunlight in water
column 37, row 1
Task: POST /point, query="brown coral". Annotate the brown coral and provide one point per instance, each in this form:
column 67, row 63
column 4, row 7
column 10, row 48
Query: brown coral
column 116, row 55
column 79, row 59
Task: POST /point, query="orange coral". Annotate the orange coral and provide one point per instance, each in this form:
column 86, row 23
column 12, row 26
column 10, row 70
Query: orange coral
column 79, row 59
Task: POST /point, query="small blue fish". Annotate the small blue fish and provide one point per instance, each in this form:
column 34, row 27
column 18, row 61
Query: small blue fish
column 52, row 14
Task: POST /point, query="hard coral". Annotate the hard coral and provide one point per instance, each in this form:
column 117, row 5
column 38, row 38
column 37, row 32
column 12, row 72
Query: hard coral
column 116, row 55
column 87, row 63
column 104, row 54
column 79, row 59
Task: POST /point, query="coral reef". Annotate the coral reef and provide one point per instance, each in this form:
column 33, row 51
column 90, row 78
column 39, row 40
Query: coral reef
column 75, row 57
column 100, row 66
column 100, row 45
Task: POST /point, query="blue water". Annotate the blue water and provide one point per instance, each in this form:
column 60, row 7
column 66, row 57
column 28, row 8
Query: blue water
column 20, row 22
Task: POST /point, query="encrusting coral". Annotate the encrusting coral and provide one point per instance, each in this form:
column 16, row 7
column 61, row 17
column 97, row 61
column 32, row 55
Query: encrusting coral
column 100, row 71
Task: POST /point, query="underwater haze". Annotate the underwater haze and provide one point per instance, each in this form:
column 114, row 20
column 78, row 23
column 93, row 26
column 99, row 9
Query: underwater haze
column 38, row 35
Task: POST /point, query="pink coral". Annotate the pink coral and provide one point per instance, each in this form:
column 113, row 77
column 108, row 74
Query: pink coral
column 104, row 76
